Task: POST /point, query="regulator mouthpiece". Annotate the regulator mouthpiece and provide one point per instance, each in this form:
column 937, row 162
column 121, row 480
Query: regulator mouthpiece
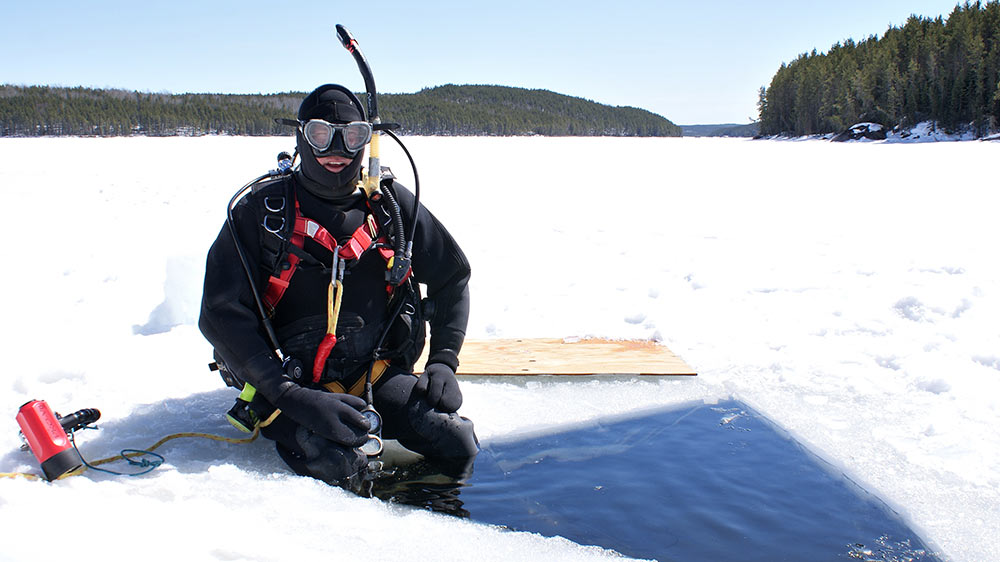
column 285, row 162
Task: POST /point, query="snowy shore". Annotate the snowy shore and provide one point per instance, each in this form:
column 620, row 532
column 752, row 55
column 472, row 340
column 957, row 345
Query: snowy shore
column 849, row 292
column 923, row 132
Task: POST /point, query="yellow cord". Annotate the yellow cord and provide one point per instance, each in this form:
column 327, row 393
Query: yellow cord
column 253, row 436
column 27, row 475
column 335, row 295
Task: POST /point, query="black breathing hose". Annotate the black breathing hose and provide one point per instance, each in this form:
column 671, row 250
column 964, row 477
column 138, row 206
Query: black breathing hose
column 416, row 188
column 399, row 242
column 271, row 335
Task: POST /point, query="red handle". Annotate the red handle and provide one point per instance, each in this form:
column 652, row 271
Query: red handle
column 322, row 353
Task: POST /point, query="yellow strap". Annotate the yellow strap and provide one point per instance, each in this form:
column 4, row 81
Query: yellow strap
column 359, row 387
column 335, row 387
column 333, row 306
column 271, row 418
column 370, row 182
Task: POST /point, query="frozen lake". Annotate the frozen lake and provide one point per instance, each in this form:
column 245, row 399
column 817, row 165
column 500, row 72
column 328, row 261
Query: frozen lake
column 848, row 292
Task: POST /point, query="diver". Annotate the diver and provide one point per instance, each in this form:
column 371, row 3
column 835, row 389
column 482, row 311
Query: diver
column 300, row 232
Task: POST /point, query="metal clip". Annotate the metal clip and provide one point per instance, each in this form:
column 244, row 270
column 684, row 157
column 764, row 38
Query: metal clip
column 336, row 266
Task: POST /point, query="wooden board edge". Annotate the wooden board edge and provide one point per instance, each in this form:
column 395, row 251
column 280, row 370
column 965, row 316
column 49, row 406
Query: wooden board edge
column 667, row 364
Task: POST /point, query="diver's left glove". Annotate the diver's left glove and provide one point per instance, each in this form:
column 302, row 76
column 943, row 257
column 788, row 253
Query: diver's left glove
column 441, row 388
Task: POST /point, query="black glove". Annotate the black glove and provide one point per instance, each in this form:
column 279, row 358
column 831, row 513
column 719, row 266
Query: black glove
column 336, row 417
column 441, row 387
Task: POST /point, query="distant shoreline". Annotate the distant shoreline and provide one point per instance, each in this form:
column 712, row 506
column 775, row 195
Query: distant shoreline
column 777, row 138
column 447, row 110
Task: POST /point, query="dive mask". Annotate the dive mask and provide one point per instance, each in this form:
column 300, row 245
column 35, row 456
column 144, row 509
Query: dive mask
column 327, row 138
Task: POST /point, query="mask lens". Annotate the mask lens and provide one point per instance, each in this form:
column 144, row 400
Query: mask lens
column 356, row 135
column 319, row 134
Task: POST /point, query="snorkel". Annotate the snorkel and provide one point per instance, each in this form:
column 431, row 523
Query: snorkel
column 370, row 181
column 403, row 248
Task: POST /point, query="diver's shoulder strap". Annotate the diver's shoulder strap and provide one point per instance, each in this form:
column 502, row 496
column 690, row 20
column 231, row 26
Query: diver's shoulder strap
column 276, row 223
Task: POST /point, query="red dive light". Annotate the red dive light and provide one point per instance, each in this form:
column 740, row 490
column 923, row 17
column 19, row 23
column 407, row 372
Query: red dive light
column 47, row 439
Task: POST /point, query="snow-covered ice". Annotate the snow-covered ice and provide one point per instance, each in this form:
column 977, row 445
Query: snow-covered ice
column 849, row 292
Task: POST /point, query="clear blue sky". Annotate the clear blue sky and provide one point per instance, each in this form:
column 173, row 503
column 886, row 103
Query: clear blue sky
column 691, row 62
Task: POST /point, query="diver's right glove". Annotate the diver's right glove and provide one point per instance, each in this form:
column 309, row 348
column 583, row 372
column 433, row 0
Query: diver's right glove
column 439, row 385
column 336, row 417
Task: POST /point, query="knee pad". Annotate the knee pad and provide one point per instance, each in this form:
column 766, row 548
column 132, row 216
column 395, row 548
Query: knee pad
column 445, row 436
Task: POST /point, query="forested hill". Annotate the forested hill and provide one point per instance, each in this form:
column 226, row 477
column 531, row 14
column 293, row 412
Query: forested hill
column 444, row 110
column 722, row 130
column 501, row 110
column 927, row 70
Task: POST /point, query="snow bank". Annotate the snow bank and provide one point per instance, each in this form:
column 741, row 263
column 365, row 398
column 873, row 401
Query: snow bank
column 862, row 319
column 928, row 131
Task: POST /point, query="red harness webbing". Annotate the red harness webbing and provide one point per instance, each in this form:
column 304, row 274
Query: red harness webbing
column 359, row 242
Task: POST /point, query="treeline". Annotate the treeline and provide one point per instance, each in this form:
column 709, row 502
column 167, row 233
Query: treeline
column 927, row 70
column 445, row 110
column 722, row 130
column 501, row 110
column 41, row 111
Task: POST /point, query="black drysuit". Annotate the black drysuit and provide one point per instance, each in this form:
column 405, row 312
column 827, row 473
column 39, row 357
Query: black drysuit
column 229, row 320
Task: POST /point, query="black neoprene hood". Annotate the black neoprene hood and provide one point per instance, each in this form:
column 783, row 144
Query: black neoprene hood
column 336, row 104
column 333, row 103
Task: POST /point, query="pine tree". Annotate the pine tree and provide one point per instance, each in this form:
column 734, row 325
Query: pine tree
column 927, row 69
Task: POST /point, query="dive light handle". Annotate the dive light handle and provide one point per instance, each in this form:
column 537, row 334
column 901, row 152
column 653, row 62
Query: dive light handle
column 70, row 423
column 79, row 419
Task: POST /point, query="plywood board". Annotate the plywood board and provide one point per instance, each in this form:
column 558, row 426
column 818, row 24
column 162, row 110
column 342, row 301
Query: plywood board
column 529, row 356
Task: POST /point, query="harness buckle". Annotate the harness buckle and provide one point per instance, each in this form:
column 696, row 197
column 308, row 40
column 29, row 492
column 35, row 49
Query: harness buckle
column 398, row 270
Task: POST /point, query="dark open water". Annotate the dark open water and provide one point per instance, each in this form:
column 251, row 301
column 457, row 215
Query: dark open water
column 698, row 483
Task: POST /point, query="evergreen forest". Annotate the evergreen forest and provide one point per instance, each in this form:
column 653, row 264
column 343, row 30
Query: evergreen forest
column 444, row 110
column 946, row 71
